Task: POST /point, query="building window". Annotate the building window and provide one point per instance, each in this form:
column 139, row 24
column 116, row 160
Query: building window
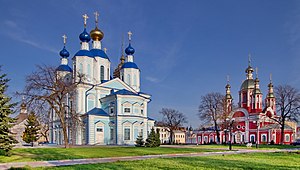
column 111, row 110
column 99, row 129
column 128, row 79
column 111, row 134
column 252, row 138
column 264, row 138
column 108, row 74
column 80, row 68
column 134, row 80
column 89, row 72
column 127, row 110
column 127, row 134
column 205, row 139
column 142, row 133
column 244, row 97
column 91, row 102
column 101, row 73
column 142, row 111
column 287, row 137
column 199, row 139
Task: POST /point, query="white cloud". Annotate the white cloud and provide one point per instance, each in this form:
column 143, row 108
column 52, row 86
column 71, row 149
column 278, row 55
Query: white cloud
column 152, row 79
column 16, row 33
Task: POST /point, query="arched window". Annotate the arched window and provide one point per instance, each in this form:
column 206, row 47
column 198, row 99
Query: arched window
column 128, row 79
column 89, row 72
column 264, row 138
column 107, row 73
column 287, row 137
column 101, row 73
column 252, row 138
column 80, row 68
column 91, row 102
column 134, row 80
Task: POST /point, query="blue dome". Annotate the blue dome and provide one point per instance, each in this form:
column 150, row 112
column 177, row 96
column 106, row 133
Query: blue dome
column 129, row 50
column 98, row 53
column 130, row 65
column 84, row 53
column 64, row 53
column 84, row 36
column 64, row 68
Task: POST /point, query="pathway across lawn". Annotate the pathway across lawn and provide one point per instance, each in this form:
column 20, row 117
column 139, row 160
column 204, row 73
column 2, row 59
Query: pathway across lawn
column 128, row 158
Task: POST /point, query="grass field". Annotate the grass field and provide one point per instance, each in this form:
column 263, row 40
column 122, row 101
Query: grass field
column 282, row 160
column 40, row 154
column 264, row 147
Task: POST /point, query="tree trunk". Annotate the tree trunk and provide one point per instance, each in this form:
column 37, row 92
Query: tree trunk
column 171, row 137
column 218, row 133
column 64, row 128
column 282, row 132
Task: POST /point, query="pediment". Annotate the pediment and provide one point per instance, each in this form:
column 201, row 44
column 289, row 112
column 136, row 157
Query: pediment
column 117, row 84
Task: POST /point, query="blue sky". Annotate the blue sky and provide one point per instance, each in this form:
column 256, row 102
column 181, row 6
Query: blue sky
column 184, row 49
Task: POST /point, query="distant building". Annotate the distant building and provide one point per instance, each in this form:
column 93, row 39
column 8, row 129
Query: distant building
column 19, row 127
column 179, row 136
column 190, row 136
column 164, row 134
column 253, row 121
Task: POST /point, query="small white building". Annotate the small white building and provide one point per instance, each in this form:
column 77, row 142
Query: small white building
column 164, row 134
column 19, row 127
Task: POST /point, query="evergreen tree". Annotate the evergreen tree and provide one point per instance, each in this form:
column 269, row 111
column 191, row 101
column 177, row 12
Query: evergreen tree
column 30, row 134
column 139, row 141
column 157, row 138
column 6, row 122
column 151, row 140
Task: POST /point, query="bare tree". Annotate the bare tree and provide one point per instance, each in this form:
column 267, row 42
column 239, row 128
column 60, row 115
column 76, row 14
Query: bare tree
column 211, row 110
column 173, row 120
column 48, row 89
column 288, row 105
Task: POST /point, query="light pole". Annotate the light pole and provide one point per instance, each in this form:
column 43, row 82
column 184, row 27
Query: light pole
column 257, row 132
column 258, row 126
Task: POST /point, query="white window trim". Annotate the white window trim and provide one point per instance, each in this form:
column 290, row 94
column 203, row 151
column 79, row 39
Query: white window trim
column 254, row 138
column 127, row 127
column 285, row 135
column 261, row 137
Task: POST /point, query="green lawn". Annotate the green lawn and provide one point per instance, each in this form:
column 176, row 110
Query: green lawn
column 39, row 154
column 236, row 161
column 264, row 147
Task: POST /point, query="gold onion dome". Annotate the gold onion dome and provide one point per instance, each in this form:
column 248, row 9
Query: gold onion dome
column 23, row 104
column 96, row 34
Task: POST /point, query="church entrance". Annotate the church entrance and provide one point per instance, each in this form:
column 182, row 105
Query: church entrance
column 99, row 133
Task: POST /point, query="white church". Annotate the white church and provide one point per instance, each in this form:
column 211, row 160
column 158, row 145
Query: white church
column 113, row 109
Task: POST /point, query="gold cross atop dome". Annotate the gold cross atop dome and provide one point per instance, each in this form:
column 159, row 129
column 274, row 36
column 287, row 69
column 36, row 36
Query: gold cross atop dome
column 85, row 17
column 129, row 35
column 227, row 79
column 65, row 39
column 249, row 59
column 96, row 17
column 256, row 71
